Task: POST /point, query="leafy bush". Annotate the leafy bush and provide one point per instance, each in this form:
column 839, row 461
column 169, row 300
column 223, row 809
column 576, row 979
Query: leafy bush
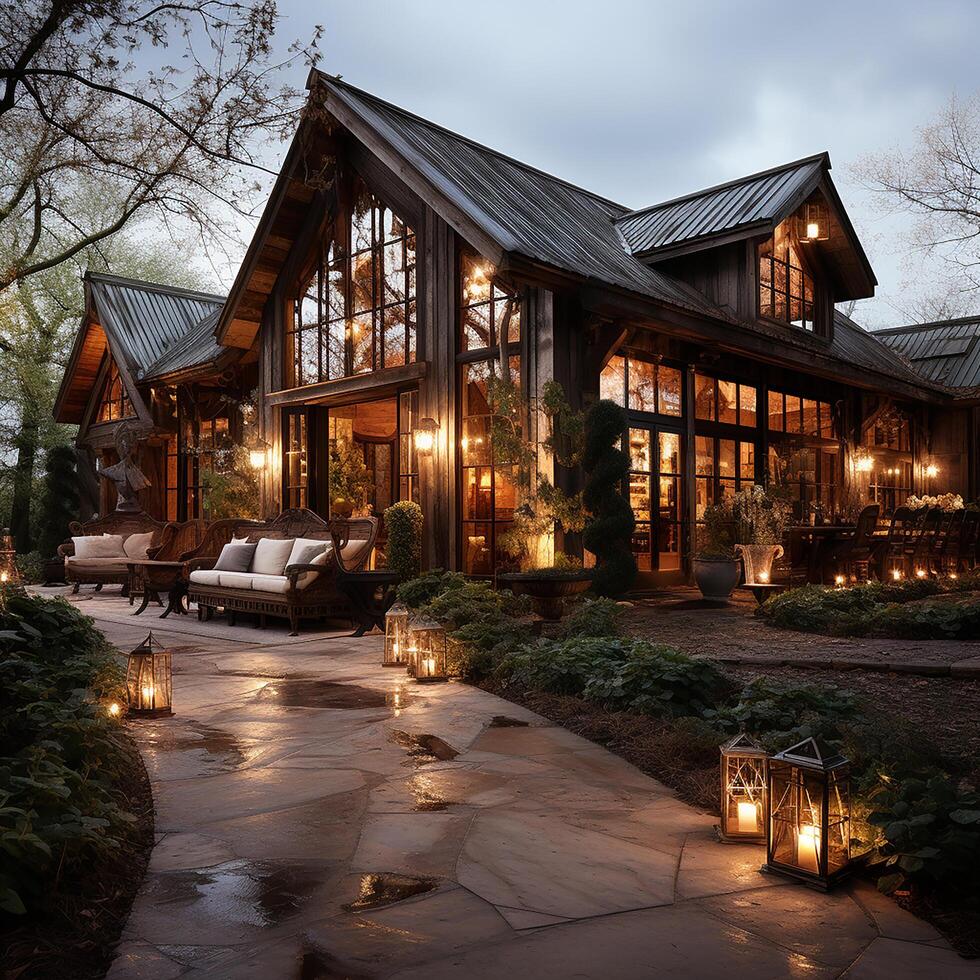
column 417, row 592
column 659, row 680
column 403, row 551
column 929, row 832
column 593, row 617
column 943, row 617
column 564, row 667
column 59, row 807
column 31, row 568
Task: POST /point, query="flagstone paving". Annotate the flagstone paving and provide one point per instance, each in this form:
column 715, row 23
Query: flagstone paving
column 280, row 800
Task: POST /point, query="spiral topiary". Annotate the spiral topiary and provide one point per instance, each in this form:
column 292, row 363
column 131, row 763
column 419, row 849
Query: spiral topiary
column 403, row 551
column 611, row 522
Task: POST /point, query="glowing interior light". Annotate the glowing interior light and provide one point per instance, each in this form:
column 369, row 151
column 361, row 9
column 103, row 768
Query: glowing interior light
column 897, row 574
column 114, row 709
column 147, row 693
column 808, row 848
column 748, row 818
column 812, row 230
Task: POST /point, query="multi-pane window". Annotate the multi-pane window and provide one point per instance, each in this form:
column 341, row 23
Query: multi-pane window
column 641, row 386
column 716, row 400
column 785, row 286
column 490, row 323
column 171, row 460
column 357, row 313
column 804, row 416
column 295, row 456
column 889, row 442
column 655, row 496
column 114, row 403
column 408, row 463
column 721, row 468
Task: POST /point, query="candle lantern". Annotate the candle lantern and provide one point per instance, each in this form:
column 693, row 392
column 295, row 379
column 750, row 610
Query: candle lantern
column 429, row 653
column 149, row 680
column 396, row 636
column 809, row 827
column 743, row 790
column 9, row 575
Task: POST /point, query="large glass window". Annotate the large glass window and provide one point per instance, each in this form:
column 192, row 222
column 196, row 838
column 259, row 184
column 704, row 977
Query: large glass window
column 357, row 313
column 641, row 386
column 408, row 462
column 490, row 325
column 114, row 403
column 785, row 285
column 889, row 442
column 655, row 496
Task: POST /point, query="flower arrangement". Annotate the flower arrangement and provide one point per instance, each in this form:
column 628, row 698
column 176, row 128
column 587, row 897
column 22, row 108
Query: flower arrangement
column 944, row 501
column 760, row 517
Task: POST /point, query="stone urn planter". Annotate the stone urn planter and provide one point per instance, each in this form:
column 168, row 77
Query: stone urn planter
column 716, row 577
column 548, row 590
column 757, row 560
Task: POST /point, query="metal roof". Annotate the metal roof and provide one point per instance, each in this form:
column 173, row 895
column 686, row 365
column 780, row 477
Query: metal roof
column 855, row 345
column 526, row 211
column 145, row 320
column 197, row 346
column 754, row 200
column 946, row 352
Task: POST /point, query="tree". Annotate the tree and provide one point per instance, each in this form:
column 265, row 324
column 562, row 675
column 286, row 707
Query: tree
column 59, row 505
column 81, row 102
column 938, row 182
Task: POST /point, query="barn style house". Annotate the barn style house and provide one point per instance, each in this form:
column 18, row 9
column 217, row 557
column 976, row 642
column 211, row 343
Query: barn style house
column 398, row 266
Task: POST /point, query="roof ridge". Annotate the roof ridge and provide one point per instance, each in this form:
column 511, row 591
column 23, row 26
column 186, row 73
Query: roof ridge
column 335, row 80
column 931, row 325
column 153, row 287
column 726, row 184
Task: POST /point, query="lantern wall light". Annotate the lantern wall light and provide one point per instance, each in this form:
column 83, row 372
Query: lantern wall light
column 258, row 455
column 743, row 790
column 9, row 575
column 815, row 223
column 149, row 680
column 425, row 434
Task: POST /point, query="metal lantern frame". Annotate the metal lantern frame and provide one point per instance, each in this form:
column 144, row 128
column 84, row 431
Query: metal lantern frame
column 809, row 820
column 149, row 680
column 397, row 636
column 744, row 790
column 429, row 652
column 815, row 214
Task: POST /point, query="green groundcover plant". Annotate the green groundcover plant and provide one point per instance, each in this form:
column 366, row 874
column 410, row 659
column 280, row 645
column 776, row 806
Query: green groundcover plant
column 910, row 817
column 60, row 808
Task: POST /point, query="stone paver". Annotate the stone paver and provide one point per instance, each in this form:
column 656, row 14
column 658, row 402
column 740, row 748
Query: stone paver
column 543, row 855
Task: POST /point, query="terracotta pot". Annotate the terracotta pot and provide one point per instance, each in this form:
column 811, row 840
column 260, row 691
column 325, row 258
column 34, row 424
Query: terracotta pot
column 757, row 560
column 547, row 592
column 716, row 577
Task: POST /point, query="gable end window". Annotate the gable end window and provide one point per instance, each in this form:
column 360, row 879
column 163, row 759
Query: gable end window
column 114, row 404
column 786, row 287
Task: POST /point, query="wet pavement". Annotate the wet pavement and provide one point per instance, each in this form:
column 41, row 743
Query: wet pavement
column 319, row 816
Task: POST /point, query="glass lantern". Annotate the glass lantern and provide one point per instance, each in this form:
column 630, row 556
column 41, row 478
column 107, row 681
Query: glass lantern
column 809, row 814
column 149, row 680
column 743, row 790
column 428, row 651
column 396, row 636
column 9, row 575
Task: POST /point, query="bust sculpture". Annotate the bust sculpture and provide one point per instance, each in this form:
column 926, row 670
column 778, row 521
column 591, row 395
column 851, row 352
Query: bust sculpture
column 128, row 478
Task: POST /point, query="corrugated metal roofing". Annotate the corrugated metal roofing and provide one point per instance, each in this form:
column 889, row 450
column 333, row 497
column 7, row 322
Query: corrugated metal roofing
column 526, row 211
column 197, row 346
column 855, row 345
column 946, row 352
column 757, row 199
column 146, row 320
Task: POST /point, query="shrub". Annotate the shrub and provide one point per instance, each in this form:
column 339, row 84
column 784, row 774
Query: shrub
column 944, row 617
column 593, row 617
column 473, row 602
column 59, row 502
column 31, row 568
column 419, row 591
column 658, row 680
column 403, row 521
column 564, row 667
column 608, row 529
column 59, row 806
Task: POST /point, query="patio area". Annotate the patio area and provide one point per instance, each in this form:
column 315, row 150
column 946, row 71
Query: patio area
column 318, row 815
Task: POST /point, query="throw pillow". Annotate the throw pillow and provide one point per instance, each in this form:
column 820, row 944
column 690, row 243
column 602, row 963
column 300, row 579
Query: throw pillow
column 304, row 550
column 92, row 546
column 235, row 558
column 136, row 545
column 271, row 556
column 306, row 578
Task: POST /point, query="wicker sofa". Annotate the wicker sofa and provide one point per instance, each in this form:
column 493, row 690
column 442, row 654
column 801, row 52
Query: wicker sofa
column 302, row 591
column 107, row 570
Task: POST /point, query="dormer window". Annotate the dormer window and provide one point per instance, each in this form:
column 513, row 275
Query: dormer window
column 786, row 289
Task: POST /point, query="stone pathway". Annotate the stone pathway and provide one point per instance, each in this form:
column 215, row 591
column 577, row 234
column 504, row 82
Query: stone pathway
column 296, row 783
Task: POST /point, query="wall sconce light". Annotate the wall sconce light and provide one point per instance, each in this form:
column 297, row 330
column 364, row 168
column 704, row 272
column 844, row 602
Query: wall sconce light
column 864, row 464
column 149, row 680
column 932, row 471
column 258, row 455
column 424, row 434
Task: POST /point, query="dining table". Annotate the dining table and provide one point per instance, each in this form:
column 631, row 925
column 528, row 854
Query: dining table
column 818, row 540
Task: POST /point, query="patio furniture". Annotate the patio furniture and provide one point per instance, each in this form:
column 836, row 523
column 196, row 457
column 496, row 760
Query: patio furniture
column 890, row 551
column 852, row 556
column 292, row 589
column 111, row 566
column 149, row 578
column 175, row 540
column 921, row 554
column 371, row 594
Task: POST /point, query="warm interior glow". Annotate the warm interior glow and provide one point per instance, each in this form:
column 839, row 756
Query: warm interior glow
column 257, row 458
column 4, row 578
column 429, row 665
column 864, row 464
column 748, row 818
column 148, row 693
column 813, row 230
column 808, row 848
column 897, row 574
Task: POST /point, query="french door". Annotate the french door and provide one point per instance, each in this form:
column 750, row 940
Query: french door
column 656, row 495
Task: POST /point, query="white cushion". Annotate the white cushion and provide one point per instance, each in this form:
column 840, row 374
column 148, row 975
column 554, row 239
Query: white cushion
column 269, row 583
column 306, row 578
column 271, row 556
column 352, row 552
column 235, row 580
column 94, row 546
column 301, row 544
column 108, row 564
column 136, row 545
column 204, row 576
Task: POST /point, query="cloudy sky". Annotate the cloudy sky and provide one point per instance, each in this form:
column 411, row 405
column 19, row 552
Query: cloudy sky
column 643, row 101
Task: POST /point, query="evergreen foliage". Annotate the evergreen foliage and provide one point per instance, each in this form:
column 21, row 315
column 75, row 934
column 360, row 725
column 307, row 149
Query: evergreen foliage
column 59, row 503
column 403, row 551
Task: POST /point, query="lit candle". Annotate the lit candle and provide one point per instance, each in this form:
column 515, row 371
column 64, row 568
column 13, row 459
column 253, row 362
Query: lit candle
column 808, row 848
column 920, row 573
column 764, row 578
column 430, row 666
column 114, row 709
column 148, row 694
column 3, row 578
column 897, row 574
column 748, row 818
column 839, row 580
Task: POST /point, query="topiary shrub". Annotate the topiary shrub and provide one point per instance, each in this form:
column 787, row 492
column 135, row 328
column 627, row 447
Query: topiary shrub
column 611, row 522
column 59, row 503
column 403, row 551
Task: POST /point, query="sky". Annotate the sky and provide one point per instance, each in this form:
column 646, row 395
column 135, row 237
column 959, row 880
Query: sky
column 642, row 102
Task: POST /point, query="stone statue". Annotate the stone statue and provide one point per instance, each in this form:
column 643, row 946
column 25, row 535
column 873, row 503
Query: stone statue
column 126, row 475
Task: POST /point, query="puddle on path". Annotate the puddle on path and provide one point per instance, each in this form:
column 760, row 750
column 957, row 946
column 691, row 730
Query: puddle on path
column 502, row 721
column 424, row 748
column 302, row 693
column 321, row 966
column 379, row 890
column 224, row 748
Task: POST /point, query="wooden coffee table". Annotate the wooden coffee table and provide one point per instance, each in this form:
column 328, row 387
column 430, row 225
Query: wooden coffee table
column 371, row 594
column 157, row 577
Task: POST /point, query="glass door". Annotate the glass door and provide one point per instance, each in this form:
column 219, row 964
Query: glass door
column 655, row 496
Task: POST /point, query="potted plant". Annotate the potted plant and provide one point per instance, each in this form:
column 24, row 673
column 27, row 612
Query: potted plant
column 759, row 519
column 543, row 507
column 715, row 565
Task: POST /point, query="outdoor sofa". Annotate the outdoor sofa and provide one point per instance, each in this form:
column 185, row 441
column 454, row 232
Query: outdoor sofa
column 293, row 571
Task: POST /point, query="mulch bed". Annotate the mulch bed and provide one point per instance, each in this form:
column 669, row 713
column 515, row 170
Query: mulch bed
column 75, row 938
